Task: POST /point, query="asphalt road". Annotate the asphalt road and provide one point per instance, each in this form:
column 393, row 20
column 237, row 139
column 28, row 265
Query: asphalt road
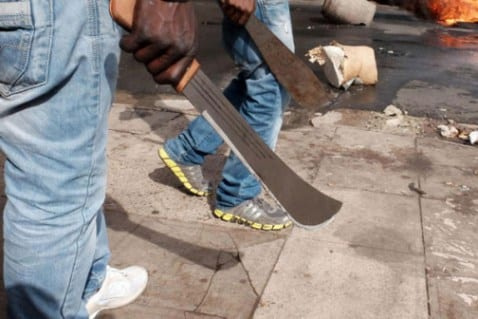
column 424, row 68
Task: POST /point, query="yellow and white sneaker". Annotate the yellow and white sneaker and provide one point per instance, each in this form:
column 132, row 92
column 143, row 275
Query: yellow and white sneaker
column 257, row 214
column 190, row 175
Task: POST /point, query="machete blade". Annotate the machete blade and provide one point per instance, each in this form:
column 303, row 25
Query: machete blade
column 306, row 206
column 297, row 78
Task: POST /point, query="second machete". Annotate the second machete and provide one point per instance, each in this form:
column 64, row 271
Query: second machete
column 296, row 77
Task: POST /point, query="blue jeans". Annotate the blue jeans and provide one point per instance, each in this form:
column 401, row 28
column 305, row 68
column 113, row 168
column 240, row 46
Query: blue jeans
column 255, row 93
column 58, row 62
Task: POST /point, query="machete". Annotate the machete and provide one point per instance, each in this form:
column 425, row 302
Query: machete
column 306, row 206
column 296, row 77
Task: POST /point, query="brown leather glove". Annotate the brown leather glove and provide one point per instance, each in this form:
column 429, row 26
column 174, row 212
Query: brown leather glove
column 238, row 11
column 164, row 37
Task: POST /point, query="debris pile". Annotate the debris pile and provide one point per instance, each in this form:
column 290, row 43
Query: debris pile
column 394, row 120
column 345, row 65
column 453, row 131
column 448, row 131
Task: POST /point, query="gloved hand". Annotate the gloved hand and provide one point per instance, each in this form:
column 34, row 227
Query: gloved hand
column 164, row 37
column 238, row 11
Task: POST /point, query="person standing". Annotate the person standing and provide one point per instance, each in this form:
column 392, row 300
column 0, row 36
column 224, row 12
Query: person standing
column 58, row 70
column 261, row 100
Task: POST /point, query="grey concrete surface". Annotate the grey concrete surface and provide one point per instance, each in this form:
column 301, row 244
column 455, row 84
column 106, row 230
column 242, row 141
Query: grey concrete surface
column 390, row 252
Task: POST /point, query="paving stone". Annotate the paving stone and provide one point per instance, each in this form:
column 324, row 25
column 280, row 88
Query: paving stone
column 199, row 268
column 307, row 153
column 455, row 184
column 138, row 120
column 142, row 311
column 317, row 278
column 152, row 188
column 345, row 171
column 453, row 297
column 451, row 259
column 120, row 223
column 372, row 220
column 378, row 146
column 178, row 105
column 179, row 266
column 442, row 152
column 230, row 294
column 260, row 259
column 192, row 315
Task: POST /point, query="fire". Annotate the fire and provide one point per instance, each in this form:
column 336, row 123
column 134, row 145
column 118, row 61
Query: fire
column 462, row 42
column 449, row 12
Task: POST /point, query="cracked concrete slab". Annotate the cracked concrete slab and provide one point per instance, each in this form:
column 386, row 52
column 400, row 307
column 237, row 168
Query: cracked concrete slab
column 452, row 184
column 195, row 268
column 333, row 280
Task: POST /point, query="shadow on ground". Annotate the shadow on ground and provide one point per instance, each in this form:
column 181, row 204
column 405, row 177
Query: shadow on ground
column 118, row 219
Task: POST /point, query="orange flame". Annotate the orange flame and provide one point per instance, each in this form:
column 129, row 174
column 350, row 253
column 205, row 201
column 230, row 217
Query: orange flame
column 461, row 42
column 449, row 12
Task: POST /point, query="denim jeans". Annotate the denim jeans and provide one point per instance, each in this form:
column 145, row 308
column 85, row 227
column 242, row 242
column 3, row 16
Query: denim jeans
column 58, row 66
column 255, row 93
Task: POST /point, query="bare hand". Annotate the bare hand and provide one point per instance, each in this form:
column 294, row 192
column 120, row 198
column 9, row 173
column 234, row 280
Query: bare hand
column 163, row 37
column 238, row 11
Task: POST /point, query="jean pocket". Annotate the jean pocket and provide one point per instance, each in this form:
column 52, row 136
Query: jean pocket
column 25, row 46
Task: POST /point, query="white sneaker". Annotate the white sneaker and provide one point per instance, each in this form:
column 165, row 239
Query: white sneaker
column 119, row 288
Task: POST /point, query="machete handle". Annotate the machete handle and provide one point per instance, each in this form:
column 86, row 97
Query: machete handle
column 122, row 12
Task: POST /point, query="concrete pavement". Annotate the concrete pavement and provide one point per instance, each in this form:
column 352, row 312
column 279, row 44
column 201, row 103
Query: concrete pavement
column 390, row 253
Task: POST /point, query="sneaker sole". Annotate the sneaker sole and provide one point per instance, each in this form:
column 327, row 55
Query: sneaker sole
column 178, row 172
column 126, row 302
column 129, row 301
column 255, row 225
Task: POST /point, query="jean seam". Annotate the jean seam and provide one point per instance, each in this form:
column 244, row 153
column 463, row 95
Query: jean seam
column 93, row 17
column 82, row 210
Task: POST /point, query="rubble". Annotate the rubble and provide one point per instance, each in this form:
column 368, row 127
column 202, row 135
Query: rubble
column 464, row 136
column 473, row 137
column 331, row 117
column 345, row 65
column 349, row 12
column 392, row 110
column 448, row 131
column 396, row 115
column 462, row 132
